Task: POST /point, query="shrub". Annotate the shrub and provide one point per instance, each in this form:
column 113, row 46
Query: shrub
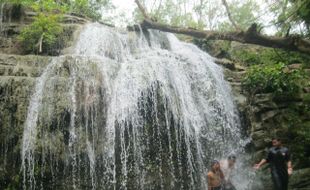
column 268, row 56
column 44, row 30
column 275, row 78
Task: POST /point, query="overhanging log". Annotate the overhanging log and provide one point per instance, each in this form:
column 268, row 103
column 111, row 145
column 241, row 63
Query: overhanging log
column 251, row 36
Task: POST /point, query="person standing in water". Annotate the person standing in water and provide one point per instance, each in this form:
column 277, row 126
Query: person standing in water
column 215, row 176
column 280, row 164
column 227, row 167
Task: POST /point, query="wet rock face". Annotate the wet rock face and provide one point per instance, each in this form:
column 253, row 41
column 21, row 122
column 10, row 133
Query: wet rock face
column 17, row 78
column 265, row 116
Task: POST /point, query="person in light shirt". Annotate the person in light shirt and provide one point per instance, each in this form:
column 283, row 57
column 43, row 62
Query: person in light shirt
column 227, row 167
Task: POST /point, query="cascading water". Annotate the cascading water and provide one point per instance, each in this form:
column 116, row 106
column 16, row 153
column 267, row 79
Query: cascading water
column 128, row 111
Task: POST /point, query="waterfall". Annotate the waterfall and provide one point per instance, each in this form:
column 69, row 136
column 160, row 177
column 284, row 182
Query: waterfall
column 129, row 110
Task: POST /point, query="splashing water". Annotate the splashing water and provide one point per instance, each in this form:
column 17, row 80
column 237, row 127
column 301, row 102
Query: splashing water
column 129, row 111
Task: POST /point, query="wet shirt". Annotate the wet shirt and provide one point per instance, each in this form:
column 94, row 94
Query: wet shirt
column 277, row 158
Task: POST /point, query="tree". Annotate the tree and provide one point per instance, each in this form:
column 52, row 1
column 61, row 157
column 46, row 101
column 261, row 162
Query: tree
column 42, row 33
column 291, row 16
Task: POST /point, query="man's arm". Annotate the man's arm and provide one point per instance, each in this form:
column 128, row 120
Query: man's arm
column 260, row 164
column 264, row 161
column 209, row 180
column 289, row 163
column 289, row 168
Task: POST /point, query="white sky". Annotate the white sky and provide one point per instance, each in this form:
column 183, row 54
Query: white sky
column 124, row 4
column 125, row 8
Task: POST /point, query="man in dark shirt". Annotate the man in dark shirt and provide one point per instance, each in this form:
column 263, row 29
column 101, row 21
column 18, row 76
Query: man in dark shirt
column 280, row 164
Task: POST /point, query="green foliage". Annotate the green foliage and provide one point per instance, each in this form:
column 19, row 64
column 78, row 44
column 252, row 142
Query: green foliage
column 249, row 56
column 82, row 7
column 40, row 6
column 23, row 2
column 45, row 27
column 304, row 11
column 88, row 8
column 275, row 78
column 48, row 6
column 291, row 16
column 299, row 134
column 46, row 24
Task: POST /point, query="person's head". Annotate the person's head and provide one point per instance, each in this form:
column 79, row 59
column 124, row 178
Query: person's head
column 276, row 142
column 231, row 160
column 215, row 165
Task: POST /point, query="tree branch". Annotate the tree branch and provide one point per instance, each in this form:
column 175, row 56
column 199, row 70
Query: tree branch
column 229, row 15
column 142, row 9
column 251, row 36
